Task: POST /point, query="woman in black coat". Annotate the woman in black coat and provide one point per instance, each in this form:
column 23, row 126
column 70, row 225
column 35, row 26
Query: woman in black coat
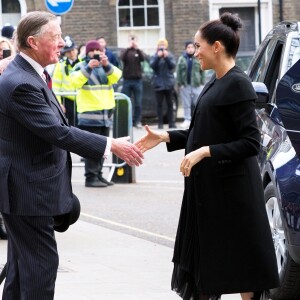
column 223, row 243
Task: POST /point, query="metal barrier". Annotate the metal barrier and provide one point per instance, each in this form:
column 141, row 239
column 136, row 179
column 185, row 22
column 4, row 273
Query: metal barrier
column 122, row 126
column 119, row 171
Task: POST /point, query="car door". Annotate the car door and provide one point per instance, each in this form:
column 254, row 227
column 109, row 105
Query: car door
column 265, row 68
column 288, row 96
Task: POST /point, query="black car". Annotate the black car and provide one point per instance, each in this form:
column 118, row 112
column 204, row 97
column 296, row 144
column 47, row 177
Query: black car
column 149, row 110
column 275, row 73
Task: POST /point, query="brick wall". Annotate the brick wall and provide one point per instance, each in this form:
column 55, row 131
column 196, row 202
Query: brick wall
column 290, row 10
column 188, row 15
column 91, row 18
column 86, row 20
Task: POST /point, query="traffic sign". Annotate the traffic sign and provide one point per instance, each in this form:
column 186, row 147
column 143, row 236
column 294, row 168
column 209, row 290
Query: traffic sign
column 59, row 7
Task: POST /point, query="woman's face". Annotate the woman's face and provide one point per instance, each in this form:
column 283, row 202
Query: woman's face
column 204, row 52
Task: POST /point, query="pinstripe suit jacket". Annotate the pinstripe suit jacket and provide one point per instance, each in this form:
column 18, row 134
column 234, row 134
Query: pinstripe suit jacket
column 35, row 141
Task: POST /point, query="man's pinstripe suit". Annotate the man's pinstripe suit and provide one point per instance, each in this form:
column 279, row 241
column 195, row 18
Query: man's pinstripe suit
column 35, row 177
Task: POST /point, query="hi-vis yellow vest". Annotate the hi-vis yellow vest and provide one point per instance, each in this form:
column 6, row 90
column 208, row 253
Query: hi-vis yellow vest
column 61, row 81
column 91, row 94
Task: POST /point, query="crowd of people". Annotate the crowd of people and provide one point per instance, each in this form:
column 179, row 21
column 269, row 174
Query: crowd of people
column 184, row 75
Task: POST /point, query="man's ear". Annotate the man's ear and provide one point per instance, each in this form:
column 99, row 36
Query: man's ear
column 32, row 42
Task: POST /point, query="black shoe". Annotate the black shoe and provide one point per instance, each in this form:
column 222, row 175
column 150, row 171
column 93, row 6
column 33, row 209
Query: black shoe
column 105, row 181
column 172, row 126
column 95, row 183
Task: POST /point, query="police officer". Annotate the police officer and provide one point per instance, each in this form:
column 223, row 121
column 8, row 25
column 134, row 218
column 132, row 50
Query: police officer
column 94, row 77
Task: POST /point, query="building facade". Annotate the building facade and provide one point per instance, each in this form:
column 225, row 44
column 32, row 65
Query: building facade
column 149, row 20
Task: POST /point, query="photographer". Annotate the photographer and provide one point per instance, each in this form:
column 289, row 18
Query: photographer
column 94, row 78
column 163, row 64
column 132, row 77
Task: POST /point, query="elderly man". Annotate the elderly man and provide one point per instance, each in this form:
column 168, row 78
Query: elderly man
column 35, row 163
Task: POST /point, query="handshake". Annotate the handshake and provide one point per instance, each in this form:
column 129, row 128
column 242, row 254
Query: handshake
column 128, row 152
column 132, row 154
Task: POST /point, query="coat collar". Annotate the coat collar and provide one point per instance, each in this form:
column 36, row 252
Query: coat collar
column 204, row 90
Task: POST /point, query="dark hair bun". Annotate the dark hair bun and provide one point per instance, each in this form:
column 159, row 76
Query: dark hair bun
column 231, row 20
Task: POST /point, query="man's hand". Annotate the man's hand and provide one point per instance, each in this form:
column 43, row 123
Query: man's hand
column 104, row 59
column 151, row 139
column 94, row 63
column 127, row 151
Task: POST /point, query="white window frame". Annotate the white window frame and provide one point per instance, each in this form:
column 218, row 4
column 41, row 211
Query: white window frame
column 266, row 12
column 142, row 30
column 23, row 10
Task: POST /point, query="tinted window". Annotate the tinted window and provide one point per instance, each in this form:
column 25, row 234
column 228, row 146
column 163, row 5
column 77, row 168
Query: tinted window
column 261, row 65
column 294, row 52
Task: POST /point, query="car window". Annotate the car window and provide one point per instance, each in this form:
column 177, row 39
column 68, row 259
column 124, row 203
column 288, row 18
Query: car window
column 261, row 66
column 243, row 62
column 271, row 77
column 294, row 52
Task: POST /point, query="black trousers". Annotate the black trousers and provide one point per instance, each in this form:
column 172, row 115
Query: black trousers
column 32, row 258
column 93, row 168
column 160, row 97
column 71, row 113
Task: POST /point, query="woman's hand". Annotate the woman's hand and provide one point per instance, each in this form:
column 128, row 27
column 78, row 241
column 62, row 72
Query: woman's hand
column 151, row 139
column 193, row 158
column 128, row 152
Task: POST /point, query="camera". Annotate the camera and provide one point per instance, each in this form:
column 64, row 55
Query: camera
column 97, row 56
column 161, row 49
column 6, row 53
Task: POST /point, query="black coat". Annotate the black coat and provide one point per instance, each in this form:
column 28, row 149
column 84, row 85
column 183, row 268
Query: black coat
column 223, row 243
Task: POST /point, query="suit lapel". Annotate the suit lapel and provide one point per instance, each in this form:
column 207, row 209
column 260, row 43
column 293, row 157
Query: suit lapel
column 49, row 93
column 56, row 103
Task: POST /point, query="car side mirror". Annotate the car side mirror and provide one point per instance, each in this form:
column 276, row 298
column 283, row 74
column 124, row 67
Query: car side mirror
column 262, row 94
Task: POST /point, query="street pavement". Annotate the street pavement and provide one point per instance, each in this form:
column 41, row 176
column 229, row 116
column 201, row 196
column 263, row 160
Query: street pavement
column 100, row 263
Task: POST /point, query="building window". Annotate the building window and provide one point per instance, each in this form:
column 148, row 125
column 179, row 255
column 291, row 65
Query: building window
column 138, row 13
column 247, row 33
column 10, row 6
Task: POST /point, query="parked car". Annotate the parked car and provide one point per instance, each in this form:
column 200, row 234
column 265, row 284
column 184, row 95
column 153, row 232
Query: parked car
column 243, row 60
column 275, row 72
column 149, row 99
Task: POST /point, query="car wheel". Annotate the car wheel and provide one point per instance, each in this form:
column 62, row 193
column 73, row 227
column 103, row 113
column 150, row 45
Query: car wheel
column 289, row 271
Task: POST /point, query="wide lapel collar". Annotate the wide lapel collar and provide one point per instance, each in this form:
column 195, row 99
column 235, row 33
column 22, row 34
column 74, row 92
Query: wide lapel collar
column 204, row 90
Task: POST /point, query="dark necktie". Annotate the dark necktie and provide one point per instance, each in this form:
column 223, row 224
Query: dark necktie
column 48, row 79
